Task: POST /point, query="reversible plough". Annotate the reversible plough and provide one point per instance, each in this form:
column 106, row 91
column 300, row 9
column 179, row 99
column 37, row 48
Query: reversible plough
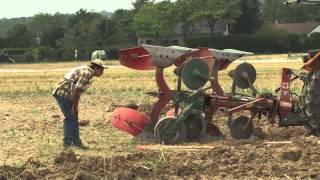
column 190, row 118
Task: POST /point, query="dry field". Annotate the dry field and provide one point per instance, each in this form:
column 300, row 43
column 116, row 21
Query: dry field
column 31, row 133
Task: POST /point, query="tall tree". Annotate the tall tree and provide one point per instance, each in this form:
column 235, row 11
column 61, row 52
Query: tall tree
column 274, row 10
column 271, row 9
column 232, row 12
column 183, row 11
column 6, row 24
column 156, row 20
column 298, row 13
column 19, row 36
column 121, row 27
column 2, row 42
column 138, row 4
column 81, row 34
column 214, row 10
column 48, row 28
column 250, row 19
column 100, row 31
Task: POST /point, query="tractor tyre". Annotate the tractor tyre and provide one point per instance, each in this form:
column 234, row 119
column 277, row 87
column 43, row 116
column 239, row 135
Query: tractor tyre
column 310, row 101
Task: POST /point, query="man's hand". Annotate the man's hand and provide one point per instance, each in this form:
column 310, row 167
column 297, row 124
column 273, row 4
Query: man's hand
column 75, row 112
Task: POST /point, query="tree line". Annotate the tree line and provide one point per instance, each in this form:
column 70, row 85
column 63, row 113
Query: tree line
column 57, row 36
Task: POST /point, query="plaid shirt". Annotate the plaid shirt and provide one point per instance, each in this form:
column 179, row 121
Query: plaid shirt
column 79, row 78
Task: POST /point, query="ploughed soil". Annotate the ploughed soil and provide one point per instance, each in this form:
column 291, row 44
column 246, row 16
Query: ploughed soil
column 272, row 152
column 31, row 130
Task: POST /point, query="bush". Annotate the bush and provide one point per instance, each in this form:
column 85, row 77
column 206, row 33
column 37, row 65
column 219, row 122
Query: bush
column 40, row 54
column 294, row 42
column 46, row 53
column 112, row 53
column 28, row 56
column 313, row 41
column 14, row 51
column 266, row 42
column 2, row 42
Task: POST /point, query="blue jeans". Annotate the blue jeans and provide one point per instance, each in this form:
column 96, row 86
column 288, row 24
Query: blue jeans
column 70, row 123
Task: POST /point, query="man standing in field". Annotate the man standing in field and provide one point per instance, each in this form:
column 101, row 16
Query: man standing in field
column 67, row 93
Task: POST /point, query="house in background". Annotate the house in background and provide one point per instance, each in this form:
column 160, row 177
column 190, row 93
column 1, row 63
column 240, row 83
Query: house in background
column 316, row 30
column 199, row 29
column 299, row 28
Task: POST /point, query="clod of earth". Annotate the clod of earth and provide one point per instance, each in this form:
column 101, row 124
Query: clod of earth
column 85, row 176
column 259, row 133
column 65, row 156
column 55, row 116
column 84, row 123
column 27, row 174
column 291, row 154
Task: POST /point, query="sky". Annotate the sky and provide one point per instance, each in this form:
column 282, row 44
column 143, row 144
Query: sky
column 27, row 8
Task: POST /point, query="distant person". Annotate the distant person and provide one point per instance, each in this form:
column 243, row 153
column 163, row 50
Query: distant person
column 68, row 92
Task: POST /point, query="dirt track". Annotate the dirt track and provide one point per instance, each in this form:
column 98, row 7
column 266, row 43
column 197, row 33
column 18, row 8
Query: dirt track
column 283, row 58
column 43, row 70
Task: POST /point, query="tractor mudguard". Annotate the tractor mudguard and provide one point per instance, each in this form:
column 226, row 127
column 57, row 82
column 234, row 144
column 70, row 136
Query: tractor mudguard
column 313, row 64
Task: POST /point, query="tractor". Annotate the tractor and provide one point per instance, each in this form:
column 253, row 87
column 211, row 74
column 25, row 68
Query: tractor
column 5, row 58
column 190, row 118
column 302, row 1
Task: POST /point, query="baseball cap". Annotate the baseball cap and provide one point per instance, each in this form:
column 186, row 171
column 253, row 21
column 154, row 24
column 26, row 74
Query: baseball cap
column 98, row 62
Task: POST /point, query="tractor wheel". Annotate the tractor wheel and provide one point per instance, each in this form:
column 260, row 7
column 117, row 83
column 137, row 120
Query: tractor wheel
column 310, row 101
column 241, row 128
column 196, row 127
column 163, row 136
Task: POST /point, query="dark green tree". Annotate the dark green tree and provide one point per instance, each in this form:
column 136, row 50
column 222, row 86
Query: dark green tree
column 214, row 10
column 100, row 31
column 120, row 28
column 6, row 24
column 19, row 36
column 49, row 28
column 271, row 9
column 250, row 19
column 82, row 34
column 156, row 20
column 2, row 42
column 274, row 10
column 184, row 9
column 138, row 4
column 298, row 13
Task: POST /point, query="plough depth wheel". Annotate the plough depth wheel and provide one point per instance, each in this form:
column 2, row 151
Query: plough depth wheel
column 195, row 73
column 241, row 128
column 163, row 135
column 241, row 72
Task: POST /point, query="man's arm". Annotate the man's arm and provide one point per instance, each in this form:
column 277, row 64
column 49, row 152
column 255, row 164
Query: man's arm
column 75, row 98
column 84, row 77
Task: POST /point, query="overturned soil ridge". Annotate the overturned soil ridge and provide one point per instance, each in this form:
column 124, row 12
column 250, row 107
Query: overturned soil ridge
column 227, row 159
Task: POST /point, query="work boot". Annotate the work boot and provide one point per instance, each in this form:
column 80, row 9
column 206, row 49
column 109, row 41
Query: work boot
column 67, row 144
column 80, row 145
column 77, row 145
